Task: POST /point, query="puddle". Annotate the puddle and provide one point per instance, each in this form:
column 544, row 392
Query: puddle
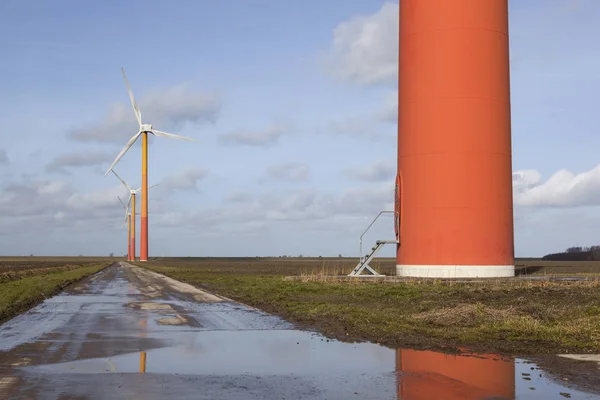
column 154, row 306
column 83, row 298
column 249, row 352
column 410, row 374
column 177, row 320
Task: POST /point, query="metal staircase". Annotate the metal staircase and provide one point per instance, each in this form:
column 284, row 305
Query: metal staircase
column 363, row 264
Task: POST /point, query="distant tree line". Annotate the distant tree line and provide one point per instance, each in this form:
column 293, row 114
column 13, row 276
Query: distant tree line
column 575, row 253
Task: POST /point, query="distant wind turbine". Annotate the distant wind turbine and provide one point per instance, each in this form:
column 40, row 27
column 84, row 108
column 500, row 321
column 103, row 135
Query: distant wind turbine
column 131, row 200
column 143, row 131
column 127, row 221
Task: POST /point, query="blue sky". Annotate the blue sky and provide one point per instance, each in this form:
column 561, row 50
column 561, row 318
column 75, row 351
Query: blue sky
column 293, row 104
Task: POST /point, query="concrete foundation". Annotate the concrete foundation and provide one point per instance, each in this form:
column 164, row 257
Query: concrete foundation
column 456, row 271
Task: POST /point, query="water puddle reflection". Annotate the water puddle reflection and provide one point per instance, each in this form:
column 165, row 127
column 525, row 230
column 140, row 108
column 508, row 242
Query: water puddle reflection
column 332, row 367
column 430, row 375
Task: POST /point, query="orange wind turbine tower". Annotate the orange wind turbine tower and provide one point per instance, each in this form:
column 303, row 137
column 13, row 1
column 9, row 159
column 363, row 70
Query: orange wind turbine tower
column 144, row 130
column 454, row 205
column 132, row 215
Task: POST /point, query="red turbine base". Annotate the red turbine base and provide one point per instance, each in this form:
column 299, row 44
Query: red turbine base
column 144, row 239
column 132, row 257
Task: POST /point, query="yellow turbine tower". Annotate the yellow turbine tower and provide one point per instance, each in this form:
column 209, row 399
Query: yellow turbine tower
column 143, row 131
column 132, row 196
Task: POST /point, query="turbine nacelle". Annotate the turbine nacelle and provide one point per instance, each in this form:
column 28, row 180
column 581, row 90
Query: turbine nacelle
column 146, row 128
column 132, row 192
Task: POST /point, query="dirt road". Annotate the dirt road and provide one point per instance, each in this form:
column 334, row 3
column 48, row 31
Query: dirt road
column 128, row 333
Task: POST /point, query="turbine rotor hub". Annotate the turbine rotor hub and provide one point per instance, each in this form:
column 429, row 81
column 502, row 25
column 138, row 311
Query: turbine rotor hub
column 146, row 128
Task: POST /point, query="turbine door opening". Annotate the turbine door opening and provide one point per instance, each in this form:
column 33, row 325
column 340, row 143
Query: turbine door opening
column 398, row 206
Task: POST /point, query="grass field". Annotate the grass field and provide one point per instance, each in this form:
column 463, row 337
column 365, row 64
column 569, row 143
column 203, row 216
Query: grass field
column 516, row 315
column 26, row 281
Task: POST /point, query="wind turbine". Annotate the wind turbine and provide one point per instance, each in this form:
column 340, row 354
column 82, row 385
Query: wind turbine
column 128, row 221
column 131, row 200
column 143, row 131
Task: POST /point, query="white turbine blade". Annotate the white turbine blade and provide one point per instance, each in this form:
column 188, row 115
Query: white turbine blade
column 125, row 220
column 170, row 135
column 121, row 179
column 127, row 146
column 128, row 209
column 138, row 114
column 138, row 190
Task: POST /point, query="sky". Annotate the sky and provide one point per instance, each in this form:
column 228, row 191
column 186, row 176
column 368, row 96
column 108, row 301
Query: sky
column 293, row 105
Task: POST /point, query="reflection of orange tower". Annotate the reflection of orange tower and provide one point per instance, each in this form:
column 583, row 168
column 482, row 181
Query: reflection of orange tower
column 143, row 362
column 426, row 375
column 454, row 202
column 144, row 327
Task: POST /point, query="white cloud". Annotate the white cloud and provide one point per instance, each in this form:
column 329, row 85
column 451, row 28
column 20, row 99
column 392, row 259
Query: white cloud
column 58, row 201
column 186, row 179
column 540, row 231
column 563, row 189
column 106, row 198
column 238, row 197
column 51, row 187
column 62, row 163
column 359, row 127
column 353, row 126
column 54, row 206
column 300, row 205
column 166, row 110
column 365, row 48
column 262, row 138
column 369, row 126
column 378, row 171
column 289, row 172
column 3, row 157
column 389, row 111
column 366, row 200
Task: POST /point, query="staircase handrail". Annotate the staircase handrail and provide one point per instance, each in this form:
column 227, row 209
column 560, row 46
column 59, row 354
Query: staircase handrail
column 369, row 227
